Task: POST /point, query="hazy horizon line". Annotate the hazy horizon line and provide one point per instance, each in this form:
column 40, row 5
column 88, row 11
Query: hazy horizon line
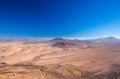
column 48, row 38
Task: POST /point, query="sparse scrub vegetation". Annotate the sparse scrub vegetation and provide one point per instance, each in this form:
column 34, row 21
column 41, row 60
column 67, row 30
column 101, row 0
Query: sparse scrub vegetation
column 43, row 68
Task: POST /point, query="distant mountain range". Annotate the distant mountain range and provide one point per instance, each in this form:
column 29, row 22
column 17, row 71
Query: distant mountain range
column 99, row 40
column 62, row 43
column 22, row 40
column 105, row 40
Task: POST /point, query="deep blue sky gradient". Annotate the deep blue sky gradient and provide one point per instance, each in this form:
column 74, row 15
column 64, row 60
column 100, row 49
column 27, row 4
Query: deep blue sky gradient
column 59, row 18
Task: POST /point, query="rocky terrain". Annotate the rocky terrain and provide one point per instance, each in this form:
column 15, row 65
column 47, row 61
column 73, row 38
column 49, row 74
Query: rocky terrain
column 61, row 59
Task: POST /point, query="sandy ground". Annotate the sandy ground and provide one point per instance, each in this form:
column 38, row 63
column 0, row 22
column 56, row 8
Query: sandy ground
column 42, row 54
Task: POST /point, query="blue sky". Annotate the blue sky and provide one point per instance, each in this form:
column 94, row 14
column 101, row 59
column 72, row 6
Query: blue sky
column 59, row 18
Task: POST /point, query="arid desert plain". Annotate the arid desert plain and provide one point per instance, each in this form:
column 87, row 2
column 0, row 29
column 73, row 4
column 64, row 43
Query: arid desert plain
column 61, row 59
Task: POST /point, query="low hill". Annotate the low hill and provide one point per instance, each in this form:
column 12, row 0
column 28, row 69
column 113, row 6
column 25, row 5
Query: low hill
column 62, row 43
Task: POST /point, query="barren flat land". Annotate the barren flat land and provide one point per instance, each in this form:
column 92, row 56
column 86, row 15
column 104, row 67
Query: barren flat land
column 59, row 59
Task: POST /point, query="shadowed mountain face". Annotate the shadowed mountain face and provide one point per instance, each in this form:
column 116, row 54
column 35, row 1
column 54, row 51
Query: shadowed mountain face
column 58, row 40
column 62, row 43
